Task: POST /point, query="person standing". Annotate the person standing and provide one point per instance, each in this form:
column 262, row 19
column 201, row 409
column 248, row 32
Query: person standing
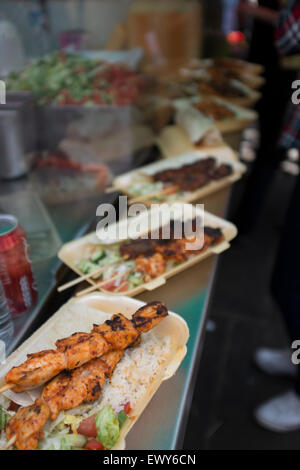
column 282, row 413
column 275, row 96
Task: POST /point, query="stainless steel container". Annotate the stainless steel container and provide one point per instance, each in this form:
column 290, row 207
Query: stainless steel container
column 23, row 102
column 12, row 149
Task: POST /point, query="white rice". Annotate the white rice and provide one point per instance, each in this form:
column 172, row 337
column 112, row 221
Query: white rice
column 136, row 371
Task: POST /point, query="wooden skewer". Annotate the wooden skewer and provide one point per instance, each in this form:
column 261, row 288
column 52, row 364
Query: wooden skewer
column 86, row 276
column 112, row 189
column 6, row 387
column 143, row 177
column 102, row 283
column 166, row 190
column 10, row 443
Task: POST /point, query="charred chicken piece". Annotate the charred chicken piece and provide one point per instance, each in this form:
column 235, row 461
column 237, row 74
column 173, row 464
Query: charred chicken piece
column 215, row 110
column 64, row 392
column 84, row 384
column 119, row 332
column 133, row 249
column 72, row 352
column 150, row 315
column 213, row 235
column 38, row 368
column 27, row 425
column 222, row 171
column 221, row 87
column 151, row 266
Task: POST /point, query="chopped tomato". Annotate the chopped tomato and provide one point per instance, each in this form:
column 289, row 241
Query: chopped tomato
column 13, row 406
column 123, row 287
column 87, row 427
column 110, row 286
column 93, row 445
column 79, row 69
column 127, row 407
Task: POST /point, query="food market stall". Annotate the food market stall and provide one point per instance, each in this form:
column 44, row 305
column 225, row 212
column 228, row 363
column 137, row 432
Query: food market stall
column 103, row 128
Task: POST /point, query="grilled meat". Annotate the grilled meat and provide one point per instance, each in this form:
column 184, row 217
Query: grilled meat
column 119, row 332
column 174, row 250
column 38, row 368
column 195, row 175
column 151, row 266
column 27, row 425
column 214, row 110
column 213, row 235
column 74, row 351
column 64, row 392
column 222, row 171
column 145, row 319
column 136, row 248
column 221, row 87
column 83, row 384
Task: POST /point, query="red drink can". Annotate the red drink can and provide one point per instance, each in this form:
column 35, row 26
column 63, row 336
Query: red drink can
column 15, row 266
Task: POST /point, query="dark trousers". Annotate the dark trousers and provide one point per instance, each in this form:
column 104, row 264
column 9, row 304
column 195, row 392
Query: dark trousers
column 276, row 94
column 285, row 284
column 271, row 112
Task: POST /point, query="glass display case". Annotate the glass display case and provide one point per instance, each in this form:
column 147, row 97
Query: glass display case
column 102, row 87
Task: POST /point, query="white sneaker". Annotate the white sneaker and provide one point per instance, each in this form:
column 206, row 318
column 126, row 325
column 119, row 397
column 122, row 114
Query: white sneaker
column 280, row 414
column 275, row 361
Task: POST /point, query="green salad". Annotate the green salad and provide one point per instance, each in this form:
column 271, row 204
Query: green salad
column 70, row 79
column 102, row 257
column 100, row 430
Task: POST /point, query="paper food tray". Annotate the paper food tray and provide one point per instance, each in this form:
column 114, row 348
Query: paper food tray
column 243, row 117
column 250, row 96
column 220, row 154
column 71, row 253
column 249, row 67
column 80, row 315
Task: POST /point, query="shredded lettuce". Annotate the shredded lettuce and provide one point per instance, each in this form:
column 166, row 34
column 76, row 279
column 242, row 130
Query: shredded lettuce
column 70, row 441
column 135, row 279
column 108, row 427
column 142, row 189
column 122, row 418
column 4, row 417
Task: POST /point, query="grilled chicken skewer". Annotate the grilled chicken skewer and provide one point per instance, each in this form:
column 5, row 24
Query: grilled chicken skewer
column 71, row 388
column 115, row 334
column 64, row 392
column 151, row 255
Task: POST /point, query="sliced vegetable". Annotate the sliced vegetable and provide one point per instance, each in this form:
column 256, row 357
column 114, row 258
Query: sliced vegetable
column 108, row 427
column 123, row 287
column 135, row 279
column 110, row 286
column 94, row 445
column 4, row 417
column 97, row 256
column 70, row 79
column 122, row 417
column 127, row 407
column 72, row 440
column 86, row 266
column 88, row 427
column 73, row 421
